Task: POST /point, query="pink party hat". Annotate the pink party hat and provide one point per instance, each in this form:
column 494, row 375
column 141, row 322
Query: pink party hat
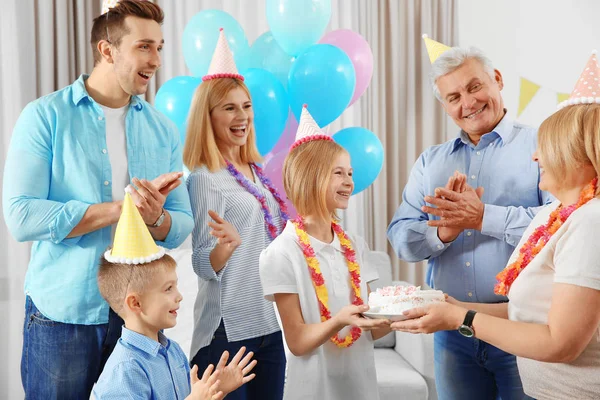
column 222, row 64
column 587, row 88
column 308, row 129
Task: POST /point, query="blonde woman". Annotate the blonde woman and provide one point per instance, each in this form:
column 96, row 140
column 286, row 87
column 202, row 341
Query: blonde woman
column 245, row 214
column 552, row 320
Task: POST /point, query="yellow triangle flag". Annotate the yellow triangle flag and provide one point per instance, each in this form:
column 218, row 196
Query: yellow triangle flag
column 133, row 243
column 560, row 97
column 434, row 49
column 528, row 90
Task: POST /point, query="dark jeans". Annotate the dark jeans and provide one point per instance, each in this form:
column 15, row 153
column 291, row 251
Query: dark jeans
column 467, row 368
column 63, row 361
column 270, row 370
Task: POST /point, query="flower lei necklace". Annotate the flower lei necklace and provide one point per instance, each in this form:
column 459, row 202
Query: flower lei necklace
column 319, row 282
column 253, row 190
column 539, row 238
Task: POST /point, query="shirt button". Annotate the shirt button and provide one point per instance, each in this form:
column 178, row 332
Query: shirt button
column 469, row 233
column 490, row 145
column 99, row 118
column 478, row 153
column 103, row 151
column 473, row 177
column 439, row 246
column 468, row 264
column 106, row 183
column 470, row 294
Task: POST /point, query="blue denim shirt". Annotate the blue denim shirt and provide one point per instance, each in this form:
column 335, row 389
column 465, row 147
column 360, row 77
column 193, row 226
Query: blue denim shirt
column 57, row 165
column 501, row 163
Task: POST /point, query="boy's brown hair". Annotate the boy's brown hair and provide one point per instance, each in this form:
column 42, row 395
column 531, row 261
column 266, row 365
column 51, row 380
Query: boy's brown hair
column 116, row 280
column 111, row 25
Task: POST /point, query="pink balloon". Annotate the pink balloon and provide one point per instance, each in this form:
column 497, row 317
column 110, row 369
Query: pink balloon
column 287, row 137
column 273, row 169
column 359, row 52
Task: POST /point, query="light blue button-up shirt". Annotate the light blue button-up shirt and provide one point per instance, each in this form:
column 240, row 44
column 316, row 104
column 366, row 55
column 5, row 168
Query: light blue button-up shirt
column 57, row 165
column 142, row 368
column 501, row 163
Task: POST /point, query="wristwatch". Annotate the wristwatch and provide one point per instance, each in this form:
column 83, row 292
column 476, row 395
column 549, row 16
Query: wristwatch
column 160, row 220
column 466, row 329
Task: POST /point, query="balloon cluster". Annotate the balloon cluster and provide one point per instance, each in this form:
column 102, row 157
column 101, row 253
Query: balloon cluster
column 292, row 64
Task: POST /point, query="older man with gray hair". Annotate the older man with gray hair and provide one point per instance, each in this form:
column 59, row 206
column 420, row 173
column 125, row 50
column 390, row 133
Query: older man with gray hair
column 467, row 223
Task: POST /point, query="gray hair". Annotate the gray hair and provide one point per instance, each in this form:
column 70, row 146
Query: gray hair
column 454, row 58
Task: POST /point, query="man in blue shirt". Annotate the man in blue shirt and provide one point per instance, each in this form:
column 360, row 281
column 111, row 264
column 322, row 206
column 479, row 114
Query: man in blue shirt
column 468, row 236
column 71, row 155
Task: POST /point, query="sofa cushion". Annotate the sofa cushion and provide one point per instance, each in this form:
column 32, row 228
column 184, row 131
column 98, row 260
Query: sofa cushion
column 382, row 262
column 396, row 379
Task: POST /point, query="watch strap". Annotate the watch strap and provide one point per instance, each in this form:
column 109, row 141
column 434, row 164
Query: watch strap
column 469, row 318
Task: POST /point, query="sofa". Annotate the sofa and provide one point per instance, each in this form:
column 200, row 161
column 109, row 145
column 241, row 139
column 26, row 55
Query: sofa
column 404, row 361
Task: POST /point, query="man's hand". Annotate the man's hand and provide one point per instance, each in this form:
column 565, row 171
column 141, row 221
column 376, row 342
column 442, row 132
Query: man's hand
column 456, row 210
column 456, row 183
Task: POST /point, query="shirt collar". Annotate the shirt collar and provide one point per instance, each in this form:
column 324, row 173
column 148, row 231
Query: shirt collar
column 80, row 93
column 316, row 244
column 144, row 343
column 504, row 130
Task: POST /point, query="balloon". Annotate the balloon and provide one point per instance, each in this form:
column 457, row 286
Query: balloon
column 357, row 48
column 322, row 77
column 200, row 39
column 272, row 170
column 174, row 99
column 297, row 24
column 366, row 155
column 266, row 53
column 270, row 104
column 288, row 136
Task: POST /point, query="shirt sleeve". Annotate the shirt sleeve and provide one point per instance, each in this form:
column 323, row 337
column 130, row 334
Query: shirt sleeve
column 276, row 271
column 29, row 214
column 410, row 236
column 576, row 257
column 126, row 381
column 204, row 196
column 178, row 201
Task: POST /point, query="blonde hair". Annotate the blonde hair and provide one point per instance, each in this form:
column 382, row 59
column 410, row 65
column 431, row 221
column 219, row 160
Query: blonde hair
column 306, row 176
column 570, row 138
column 200, row 145
column 116, row 280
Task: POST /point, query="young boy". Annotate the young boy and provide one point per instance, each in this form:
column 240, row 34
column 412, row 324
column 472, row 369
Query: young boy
column 139, row 282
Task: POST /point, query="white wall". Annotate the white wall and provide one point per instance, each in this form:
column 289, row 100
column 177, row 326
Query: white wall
column 545, row 41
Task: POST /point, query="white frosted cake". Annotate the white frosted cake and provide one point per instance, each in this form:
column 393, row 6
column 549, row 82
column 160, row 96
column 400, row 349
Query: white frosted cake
column 397, row 299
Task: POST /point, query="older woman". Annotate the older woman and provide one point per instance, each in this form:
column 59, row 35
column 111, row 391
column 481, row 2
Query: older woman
column 551, row 322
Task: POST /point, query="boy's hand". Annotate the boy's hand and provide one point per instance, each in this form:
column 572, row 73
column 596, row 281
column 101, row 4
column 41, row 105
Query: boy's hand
column 236, row 373
column 206, row 388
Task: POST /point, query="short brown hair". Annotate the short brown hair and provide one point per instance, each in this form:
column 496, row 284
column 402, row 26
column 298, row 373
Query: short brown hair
column 306, row 176
column 570, row 138
column 113, row 22
column 116, row 280
column 200, row 147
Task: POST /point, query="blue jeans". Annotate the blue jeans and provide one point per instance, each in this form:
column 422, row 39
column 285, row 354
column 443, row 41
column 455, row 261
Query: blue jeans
column 63, row 361
column 270, row 370
column 467, row 368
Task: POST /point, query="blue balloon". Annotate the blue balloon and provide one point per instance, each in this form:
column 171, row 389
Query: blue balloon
column 266, row 53
column 200, row 39
column 270, row 104
column 298, row 24
column 366, row 155
column 174, row 99
column 323, row 77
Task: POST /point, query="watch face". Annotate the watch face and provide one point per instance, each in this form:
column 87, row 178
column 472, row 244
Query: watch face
column 466, row 331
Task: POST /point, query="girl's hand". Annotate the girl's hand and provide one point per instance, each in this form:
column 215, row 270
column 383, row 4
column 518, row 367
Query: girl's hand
column 352, row 315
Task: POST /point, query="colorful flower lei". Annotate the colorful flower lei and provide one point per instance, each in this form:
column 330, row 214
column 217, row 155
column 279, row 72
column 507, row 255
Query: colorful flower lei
column 245, row 183
column 319, row 282
column 539, row 238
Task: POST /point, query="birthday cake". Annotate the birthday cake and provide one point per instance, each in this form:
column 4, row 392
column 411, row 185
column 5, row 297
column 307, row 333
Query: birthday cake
column 397, row 299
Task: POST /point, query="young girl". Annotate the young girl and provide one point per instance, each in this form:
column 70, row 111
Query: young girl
column 317, row 276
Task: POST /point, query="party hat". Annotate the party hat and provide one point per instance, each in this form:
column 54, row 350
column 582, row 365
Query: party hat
column 434, row 49
column 222, row 64
column 587, row 88
column 108, row 4
column 308, row 129
column 133, row 243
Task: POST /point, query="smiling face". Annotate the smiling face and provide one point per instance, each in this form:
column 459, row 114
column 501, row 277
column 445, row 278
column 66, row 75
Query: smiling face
column 341, row 184
column 160, row 300
column 232, row 118
column 472, row 98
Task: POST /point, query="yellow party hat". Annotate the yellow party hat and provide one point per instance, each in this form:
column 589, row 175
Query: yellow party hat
column 435, row 49
column 133, row 243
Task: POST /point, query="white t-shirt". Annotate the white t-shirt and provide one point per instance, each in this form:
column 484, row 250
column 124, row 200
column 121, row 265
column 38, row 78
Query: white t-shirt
column 571, row 256
column 329, row 372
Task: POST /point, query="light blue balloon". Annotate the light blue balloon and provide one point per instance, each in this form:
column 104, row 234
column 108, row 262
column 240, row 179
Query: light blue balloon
column 323, row 77
column 265, row 53
column 174, row 99
column 366, row 155
column 298, row 24
column 200, row 39
column 270, row 104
